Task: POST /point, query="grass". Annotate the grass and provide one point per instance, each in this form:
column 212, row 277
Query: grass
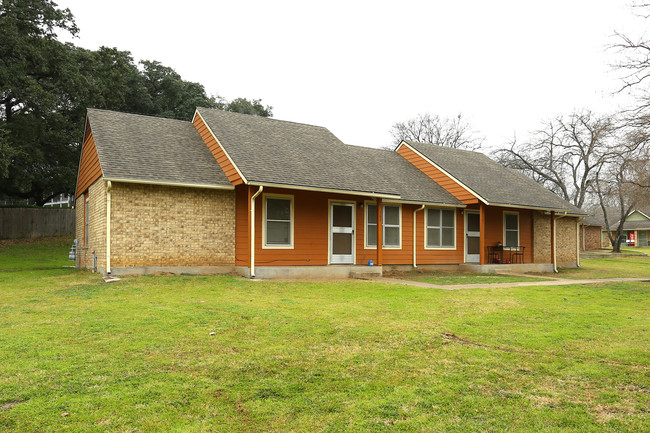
column 610, row 267
column 137, row 355
column 449, row 277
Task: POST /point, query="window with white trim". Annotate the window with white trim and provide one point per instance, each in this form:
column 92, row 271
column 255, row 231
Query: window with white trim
column 278, row 214
column 392, row 226
column 440, row 228
column 371, row 225
column 511, row 229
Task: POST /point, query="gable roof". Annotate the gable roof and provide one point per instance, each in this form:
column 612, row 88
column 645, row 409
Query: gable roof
column 271, row 151
column 490, row 181
column 149, row 149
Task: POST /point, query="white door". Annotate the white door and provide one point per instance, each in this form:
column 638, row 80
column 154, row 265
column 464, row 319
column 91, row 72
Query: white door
column 342, row 233
column 472, row 237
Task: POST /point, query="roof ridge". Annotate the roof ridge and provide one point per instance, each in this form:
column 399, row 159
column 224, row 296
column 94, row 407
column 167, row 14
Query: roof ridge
column 148, row 116
column 272, row 119
column 446, row 148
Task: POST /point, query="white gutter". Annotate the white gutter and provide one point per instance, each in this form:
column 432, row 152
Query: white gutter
column 109, row 186
column 546, row 209
column 163, row 183
column 415, row 263
column 253, row 230
column 196, row 112
column 337, row 191
column 578, row 240
column 443, row 171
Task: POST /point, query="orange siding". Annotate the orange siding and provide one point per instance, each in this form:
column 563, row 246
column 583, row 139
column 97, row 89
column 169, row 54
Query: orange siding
column 404, row 255
column 89, row 168
column 437, row 176
column 221, row 157
column 494, row 229
column 311, row 233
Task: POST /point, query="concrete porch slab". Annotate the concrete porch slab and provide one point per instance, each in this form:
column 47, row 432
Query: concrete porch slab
column 297, row 272
column 493, row 269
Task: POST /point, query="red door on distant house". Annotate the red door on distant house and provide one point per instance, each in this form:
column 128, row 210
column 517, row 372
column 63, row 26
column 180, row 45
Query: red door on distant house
column 632, row 239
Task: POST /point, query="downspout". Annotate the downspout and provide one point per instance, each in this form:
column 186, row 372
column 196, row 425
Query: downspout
column 253, row 230
column 578, row 220
column 555, row 242
column 109, row 186
column 415, row 263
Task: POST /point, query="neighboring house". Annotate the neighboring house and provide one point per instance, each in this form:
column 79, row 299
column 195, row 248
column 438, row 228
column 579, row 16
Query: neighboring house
column 232, row 192
column 636, row 230
column 590, row 233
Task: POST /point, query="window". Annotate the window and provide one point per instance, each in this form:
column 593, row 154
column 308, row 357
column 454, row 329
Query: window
column 511, row 229
column 278, row 213
column 392, row 220
column 371, row 225
column 392, row 230
column 440, row 228
column 86, row 219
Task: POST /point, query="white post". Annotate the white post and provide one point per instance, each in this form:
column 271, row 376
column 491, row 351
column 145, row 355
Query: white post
column 253, row 230
column 108, row 226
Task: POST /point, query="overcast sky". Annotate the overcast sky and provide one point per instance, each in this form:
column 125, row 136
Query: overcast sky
column 357, row 67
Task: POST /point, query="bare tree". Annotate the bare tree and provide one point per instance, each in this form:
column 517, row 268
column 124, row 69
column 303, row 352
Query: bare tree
column 616, row 182
column 564, row 154
column 453, row 132
column 634, row 65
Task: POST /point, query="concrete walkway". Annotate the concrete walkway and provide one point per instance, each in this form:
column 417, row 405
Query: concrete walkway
column 551, row 282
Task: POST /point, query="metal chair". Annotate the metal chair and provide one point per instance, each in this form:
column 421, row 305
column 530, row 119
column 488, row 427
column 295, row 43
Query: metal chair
column 518, row 255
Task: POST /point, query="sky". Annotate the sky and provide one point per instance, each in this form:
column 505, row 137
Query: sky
column 357, row 67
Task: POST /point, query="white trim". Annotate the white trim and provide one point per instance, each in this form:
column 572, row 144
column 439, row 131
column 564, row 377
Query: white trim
column 383, row 226
column 504, row 228
column 252, row 233
column 163, row 183
column 109, row 186
column 430, row 204
column 336, row 191
column 219, row 143
column 288, row 246
column 426, row 232
column 352, row 204
column 415, row 235
column 466, row 232
column 523, row 206
column 468, row 189
column 365, row 225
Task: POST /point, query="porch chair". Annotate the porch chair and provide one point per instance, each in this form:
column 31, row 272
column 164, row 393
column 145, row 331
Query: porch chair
column 518, row 255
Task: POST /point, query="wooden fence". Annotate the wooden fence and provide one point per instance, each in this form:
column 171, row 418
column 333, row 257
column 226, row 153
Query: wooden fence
column 19, row 223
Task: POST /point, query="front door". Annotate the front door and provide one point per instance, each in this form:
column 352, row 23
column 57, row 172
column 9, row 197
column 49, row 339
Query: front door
column 473, row 237
column 342, row 233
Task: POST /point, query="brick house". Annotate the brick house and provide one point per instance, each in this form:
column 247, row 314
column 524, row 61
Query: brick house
column 231, row 192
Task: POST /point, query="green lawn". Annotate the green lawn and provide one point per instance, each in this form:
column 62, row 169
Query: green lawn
column 137, row 355
column 448, row 277
column 610, row 267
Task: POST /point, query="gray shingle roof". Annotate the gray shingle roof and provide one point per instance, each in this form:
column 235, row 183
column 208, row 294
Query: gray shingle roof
column 145, row 148
column 632, row 225
column 495, row 183
column 279, row 152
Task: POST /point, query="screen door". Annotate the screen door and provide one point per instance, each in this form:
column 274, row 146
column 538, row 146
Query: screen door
column 342, row 233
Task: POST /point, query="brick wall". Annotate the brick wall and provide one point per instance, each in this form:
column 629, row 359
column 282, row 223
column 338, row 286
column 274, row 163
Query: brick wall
column 153, row 225
column 566, row 232
column 542, row 238
column 96, row 225
column 592, row 237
